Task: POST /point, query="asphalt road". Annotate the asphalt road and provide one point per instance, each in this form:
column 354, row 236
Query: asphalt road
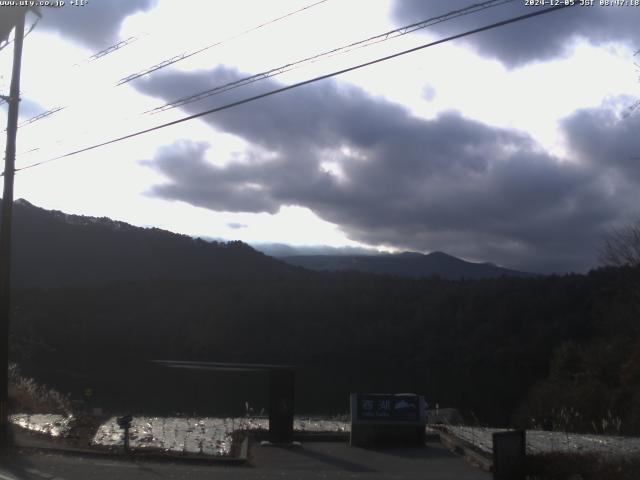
column 311, row 461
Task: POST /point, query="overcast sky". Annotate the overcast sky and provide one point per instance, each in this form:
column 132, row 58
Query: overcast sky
column 513, row 146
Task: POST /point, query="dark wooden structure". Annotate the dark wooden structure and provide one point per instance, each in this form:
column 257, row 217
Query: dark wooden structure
column 281, row 391
column 509, row 455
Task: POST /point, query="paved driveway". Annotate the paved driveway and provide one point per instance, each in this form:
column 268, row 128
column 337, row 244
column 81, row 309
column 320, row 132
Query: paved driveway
column 311, row 461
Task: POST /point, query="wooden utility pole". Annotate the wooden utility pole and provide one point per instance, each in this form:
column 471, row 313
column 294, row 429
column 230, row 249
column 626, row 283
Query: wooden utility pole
column 5, row 228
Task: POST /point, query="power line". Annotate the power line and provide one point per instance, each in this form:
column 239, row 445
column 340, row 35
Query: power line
column 290, row 66
column 102, row 53
column 41, row 116
column 300, row 84
column 113, row 48
column 164, row 63
column 383, row 37
column 184, row 56
column 92, row 58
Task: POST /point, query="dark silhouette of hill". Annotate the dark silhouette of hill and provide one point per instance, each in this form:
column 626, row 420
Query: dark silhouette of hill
column 504, row 348
column 53, row 249
column 408, row 264
column 496, row 347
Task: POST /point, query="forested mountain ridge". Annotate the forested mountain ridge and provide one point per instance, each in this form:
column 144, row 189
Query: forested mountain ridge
column 102, row 292
column 407, row 264
column 51, row 249
column 505, row 348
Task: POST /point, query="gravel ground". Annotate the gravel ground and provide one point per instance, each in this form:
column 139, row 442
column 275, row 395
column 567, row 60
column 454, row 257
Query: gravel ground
column 206, row 436
column 543, row 442
column 300, row 424
column 54, row 425
column 213, row 436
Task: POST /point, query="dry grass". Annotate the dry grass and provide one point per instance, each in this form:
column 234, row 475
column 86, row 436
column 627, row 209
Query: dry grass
column 27, row 396
column 582, row 466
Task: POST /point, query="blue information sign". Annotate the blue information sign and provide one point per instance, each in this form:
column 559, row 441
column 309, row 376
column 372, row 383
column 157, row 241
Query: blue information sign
column 381, row 407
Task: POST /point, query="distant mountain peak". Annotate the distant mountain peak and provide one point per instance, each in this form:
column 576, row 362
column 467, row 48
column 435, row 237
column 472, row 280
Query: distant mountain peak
column 438, row 253
column 24, row 203
column 408, row 254
column 405, row 264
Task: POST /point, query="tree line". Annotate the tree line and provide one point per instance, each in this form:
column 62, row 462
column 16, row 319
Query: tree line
column 505, row 350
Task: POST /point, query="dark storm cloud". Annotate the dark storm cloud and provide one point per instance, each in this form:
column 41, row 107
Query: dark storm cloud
column 537, row 39
column 201, row 184
column 606, row 139
column 95, row 25
column 448, row 184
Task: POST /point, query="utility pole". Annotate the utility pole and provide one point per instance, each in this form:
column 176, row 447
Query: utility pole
column 5, row 228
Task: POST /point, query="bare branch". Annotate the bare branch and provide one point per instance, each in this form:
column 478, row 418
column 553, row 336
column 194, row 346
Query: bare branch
column 621, row 246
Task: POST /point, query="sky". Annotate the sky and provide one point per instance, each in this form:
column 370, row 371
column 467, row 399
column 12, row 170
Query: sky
column 516, row 146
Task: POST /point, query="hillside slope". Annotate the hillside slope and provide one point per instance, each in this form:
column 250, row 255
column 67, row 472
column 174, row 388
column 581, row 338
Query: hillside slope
column 52, row 249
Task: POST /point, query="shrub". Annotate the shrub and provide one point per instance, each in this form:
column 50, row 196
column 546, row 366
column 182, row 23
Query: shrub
column 27, row 396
